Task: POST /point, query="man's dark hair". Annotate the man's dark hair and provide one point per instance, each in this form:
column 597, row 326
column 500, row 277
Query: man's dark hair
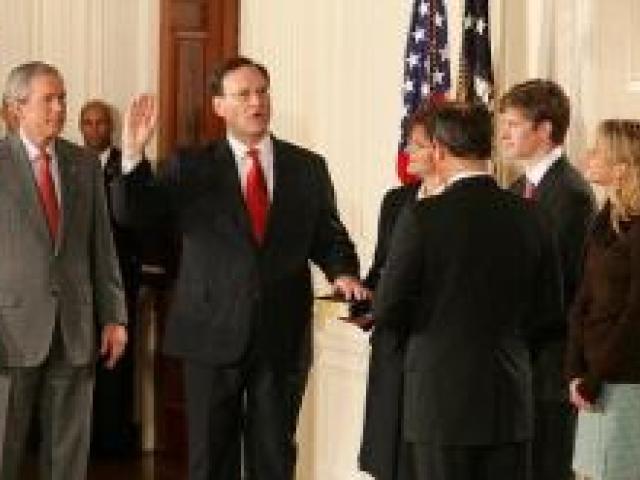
column 221, row 70
column 465, row 129
column 539, row 101
column 423, row 117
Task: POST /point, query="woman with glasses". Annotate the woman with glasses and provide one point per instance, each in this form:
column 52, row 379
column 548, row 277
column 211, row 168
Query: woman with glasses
column 383, row 454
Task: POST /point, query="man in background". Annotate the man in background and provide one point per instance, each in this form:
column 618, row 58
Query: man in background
column 535, row 118
column 113, row 432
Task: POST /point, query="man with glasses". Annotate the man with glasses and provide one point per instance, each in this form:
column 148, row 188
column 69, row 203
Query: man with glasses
column 252, row 211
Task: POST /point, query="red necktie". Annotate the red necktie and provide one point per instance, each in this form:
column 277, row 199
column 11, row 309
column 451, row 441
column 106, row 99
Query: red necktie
column 529, row 190
column 47, row 191
column 256, row 195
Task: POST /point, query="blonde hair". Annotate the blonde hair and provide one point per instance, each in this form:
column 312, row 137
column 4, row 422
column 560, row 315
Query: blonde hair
column 621, row 141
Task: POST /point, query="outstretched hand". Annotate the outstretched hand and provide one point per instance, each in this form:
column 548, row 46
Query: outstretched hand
column 138, row 126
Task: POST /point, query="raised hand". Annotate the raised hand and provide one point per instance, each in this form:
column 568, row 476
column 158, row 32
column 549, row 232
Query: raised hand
column 139, row 123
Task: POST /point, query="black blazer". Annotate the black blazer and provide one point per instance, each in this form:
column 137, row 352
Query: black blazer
column 473, row 274
column 126, row 239
column 381, row 452
column 232, row 293
column 392, row 203
column 567, row 204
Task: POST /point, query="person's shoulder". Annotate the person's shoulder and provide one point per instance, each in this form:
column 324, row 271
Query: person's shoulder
column 193, row 156
column 571, row 177
column 82, row 157
column 400, row 193
column 71, row 149
column 284, row 148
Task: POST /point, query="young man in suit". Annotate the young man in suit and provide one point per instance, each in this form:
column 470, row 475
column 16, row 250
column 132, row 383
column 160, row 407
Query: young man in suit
column 252, row 212
column 472, row 277
column 535, row 118
column 113, row 432
column 59, row 279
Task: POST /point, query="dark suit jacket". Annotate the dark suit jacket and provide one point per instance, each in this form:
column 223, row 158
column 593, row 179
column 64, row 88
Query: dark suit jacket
column 127, row 240
column 379, row 451
column 75, row 281
column 232, row 293
column 473, row 274
column 567, row 203
column 392, row 203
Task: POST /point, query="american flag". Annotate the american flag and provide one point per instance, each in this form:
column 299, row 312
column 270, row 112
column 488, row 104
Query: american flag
column 427, row 72
column 475, row 82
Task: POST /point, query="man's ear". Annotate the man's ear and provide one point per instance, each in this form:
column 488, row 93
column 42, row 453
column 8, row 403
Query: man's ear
column 544, row 129
column 217, row 103
column 438, row 157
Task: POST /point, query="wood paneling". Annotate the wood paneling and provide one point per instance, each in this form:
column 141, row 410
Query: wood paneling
column 195, row 34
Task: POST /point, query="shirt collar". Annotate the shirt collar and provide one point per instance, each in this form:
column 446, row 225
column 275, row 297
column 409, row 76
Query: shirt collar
column 33, row 150
column 104, row 156
column 462, row 175
column 240, row 149
column 534, row 173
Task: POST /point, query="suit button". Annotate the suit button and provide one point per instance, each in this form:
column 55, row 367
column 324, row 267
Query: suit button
column 55, row 290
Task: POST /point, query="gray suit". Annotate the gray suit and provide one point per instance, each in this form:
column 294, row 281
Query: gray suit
column 52, row 298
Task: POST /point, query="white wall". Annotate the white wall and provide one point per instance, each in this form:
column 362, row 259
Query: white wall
column 104, row 48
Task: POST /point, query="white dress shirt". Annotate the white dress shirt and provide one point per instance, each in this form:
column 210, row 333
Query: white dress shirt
column 534, row 173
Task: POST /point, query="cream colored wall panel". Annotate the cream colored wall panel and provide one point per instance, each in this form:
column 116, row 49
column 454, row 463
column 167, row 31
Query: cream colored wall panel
column 634, row 19
column 15, row 36
column 104, row 48
column 617, row 59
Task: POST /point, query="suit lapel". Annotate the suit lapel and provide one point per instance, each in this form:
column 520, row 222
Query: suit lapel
column 22, row 186
column 549, row 182
column 68, row 182
column 282, row 177
column 231, row 188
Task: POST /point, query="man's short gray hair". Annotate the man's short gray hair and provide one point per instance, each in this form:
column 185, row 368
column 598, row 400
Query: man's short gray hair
column 17, row 86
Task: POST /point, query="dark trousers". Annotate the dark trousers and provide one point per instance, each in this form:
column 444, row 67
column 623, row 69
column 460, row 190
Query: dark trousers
column 383, row 452
column 554, row 432
column 242, row 417
column 510, row 461
column 63, row 393
column 113, row 431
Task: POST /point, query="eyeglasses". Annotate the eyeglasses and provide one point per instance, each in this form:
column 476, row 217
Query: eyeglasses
column 244, row 96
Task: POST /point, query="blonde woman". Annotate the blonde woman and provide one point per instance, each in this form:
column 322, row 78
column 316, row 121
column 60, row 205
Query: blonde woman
column 603, row 359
